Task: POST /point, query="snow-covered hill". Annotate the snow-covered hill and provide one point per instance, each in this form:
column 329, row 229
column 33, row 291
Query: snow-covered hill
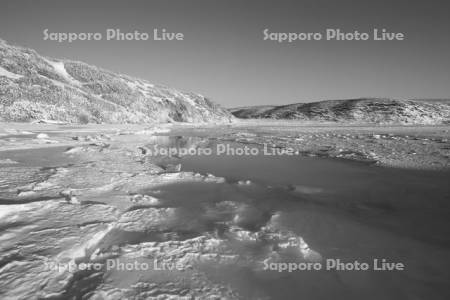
column 366, row 110
column 33, row 87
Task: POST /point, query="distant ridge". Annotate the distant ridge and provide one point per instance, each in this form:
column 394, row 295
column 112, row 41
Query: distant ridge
column 33, row 87
column 364, row 110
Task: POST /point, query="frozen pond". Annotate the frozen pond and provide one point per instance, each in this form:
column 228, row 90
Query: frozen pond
column 343, row 210
column 232, row 220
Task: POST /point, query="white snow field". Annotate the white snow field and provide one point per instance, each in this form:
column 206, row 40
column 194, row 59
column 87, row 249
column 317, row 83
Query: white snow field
column 90, row 212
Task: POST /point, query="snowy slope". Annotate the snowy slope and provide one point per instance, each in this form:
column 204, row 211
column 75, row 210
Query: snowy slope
column 364, row 110
column 34, row 87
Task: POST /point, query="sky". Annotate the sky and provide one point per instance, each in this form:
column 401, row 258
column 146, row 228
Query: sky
column 224, row 56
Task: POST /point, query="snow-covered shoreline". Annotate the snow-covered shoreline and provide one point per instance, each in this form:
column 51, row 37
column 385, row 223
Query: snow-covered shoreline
column 412, row 147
